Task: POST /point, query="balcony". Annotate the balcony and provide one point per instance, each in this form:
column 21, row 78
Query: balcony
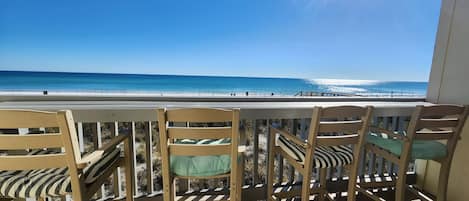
column 100, row 118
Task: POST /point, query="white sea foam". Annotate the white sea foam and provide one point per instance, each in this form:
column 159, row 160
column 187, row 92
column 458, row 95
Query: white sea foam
column 344, row 82
column 348, row 90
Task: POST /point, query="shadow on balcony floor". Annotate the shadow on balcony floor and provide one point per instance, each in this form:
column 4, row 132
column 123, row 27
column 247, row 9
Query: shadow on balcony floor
column 256, row 194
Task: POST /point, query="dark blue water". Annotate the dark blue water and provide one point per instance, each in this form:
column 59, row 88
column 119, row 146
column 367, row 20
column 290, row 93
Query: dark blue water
column 126, row 83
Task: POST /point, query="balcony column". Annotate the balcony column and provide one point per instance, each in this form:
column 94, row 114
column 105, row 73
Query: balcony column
column 449, row 84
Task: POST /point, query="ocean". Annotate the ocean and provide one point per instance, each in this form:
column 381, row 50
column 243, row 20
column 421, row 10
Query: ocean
column 25, row 81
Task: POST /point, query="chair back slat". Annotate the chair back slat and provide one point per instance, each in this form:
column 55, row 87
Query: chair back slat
column 437, row 123
column 199, row 132
column 55, row 141
column 441, row 110
column 433, row 136
column 343, row 112
column 27, row 119
column 27, row 162
column 199, row 150
column 202, row 123
column 340, row 126
column 337, row 140
column 434, row 132
column 197, row 115
column 34, row 141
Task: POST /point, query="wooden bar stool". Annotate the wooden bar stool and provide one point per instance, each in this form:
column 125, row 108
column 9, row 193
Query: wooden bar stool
column 52, row 165
column 204, row 151
column 343, row 126
column 428, row 126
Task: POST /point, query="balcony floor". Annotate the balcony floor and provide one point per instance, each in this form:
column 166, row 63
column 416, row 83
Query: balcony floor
column 258, row 194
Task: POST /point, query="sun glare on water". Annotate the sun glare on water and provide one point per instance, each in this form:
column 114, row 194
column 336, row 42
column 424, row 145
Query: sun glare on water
column 344, row 82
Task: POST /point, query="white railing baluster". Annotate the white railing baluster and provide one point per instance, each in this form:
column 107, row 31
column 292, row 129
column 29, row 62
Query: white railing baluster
column 81, row 140
column 255, row 135
column 268, row 136
column 149, row 157
column 135, row 159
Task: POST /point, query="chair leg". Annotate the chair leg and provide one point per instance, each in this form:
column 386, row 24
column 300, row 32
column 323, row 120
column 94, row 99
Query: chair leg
column 167, row 187
column 401, row 183
column 305, row 188
column 443, row 180
column 129, row 193
column 240, row 180
column 129, row 178
column 234, row 183
column 323, row 181
column 270, row 174
column 352, row 182
column 234, row 186
column 173, row 189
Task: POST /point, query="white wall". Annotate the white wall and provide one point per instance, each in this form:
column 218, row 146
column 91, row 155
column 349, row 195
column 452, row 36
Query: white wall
column 449, row 83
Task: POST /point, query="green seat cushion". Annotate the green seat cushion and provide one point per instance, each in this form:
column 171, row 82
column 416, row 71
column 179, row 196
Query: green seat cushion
column 421, row 149
column 201, row 165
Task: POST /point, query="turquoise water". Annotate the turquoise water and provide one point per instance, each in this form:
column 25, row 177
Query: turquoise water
column 131, row 83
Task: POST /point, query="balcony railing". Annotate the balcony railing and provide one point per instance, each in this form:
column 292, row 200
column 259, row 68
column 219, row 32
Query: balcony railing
column 99, row 119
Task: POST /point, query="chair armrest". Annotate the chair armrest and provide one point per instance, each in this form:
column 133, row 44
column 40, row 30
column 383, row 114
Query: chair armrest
column 241, row 148
column 289, row 136
column 388, row 132
column 99, row 153
column 90, row 159
column 114, row 142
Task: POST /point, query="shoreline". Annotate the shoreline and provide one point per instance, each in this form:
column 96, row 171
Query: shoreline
column 70, row 96
column 194, row 94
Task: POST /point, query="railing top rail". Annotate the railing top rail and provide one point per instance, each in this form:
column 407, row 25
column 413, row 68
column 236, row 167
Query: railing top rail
column 108, row 111
column 27, row 96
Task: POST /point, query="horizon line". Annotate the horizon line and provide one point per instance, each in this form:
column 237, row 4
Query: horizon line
column 209, row 75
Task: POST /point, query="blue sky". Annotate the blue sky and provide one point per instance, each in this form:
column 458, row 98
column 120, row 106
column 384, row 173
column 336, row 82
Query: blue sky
column 359, row 39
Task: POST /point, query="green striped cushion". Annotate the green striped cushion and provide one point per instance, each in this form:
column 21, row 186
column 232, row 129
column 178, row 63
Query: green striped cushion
column 421, row 149
column 201, row 165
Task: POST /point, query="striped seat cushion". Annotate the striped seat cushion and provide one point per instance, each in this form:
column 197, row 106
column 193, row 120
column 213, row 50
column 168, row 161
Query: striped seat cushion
column 48, row 182
column 324, row 156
